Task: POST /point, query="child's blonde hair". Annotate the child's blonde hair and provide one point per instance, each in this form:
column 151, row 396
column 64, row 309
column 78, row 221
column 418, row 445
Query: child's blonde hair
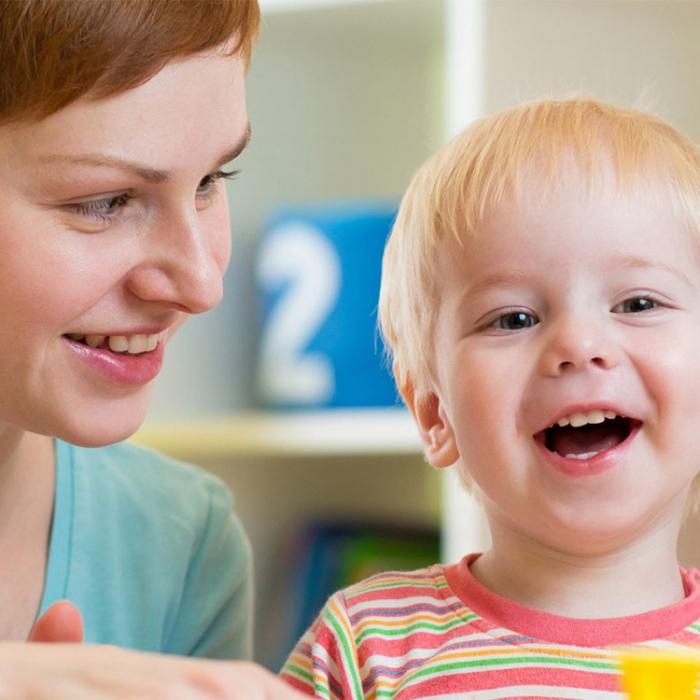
column 457, row 187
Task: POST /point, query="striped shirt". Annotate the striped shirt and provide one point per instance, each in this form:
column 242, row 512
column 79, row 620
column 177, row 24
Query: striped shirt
column 438, row 633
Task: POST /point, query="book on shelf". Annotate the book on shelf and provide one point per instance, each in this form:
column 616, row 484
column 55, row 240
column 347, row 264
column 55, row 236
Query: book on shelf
column 327, row 556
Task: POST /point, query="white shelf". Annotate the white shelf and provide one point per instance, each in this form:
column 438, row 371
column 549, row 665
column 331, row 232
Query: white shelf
column 268, row 6
column 257, row 434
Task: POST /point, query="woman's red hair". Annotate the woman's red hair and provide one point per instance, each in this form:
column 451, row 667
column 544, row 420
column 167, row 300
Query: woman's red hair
column 53, row 52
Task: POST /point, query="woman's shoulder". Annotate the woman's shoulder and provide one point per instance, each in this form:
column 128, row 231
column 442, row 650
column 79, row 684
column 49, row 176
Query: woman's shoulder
column 153, row 537
column 143, row 482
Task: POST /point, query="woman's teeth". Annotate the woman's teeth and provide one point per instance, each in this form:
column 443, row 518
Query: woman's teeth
column 131, row 344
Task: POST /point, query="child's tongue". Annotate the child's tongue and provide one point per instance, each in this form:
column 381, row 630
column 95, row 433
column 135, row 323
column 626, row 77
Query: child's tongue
column 589, row 438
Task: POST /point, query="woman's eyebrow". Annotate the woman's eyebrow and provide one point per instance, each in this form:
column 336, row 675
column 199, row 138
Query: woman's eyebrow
column 145, row 172
column 236, row 150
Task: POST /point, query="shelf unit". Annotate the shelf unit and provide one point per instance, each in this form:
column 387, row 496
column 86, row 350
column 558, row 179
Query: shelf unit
column 331, row 433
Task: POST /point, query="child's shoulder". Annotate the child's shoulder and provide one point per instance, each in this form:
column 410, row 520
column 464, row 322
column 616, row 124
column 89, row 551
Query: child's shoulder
column 428, row 582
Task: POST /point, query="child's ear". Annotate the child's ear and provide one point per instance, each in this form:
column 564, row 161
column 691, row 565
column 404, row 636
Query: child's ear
column 434, row 426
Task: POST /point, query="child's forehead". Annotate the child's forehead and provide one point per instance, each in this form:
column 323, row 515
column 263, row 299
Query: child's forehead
column 538, row 217
column 568, row 189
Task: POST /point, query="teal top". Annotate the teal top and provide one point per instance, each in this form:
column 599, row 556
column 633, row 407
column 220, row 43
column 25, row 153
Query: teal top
column 151, row 552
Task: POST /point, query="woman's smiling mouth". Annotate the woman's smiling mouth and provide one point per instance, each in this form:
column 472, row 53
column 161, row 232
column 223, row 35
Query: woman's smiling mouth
column 131, row 344
column 130, row 360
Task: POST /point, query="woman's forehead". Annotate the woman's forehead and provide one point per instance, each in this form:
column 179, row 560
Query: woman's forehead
column 193, row 107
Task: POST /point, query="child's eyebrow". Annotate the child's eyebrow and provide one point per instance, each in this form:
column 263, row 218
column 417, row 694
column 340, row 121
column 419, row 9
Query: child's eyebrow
column 634, row 261
column 514, row 278
column 502, row 278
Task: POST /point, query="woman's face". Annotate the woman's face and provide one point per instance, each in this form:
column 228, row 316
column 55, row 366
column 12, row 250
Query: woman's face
column 113, row 230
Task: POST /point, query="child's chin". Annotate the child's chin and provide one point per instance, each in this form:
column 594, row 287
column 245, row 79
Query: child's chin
column 598, row 535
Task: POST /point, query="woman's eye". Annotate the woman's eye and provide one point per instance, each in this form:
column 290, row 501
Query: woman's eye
column 514, row 321
column 207, row 185
column 103, row 210
column 635, row 305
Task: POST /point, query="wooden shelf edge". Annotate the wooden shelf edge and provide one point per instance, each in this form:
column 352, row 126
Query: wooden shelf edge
column 260, row 434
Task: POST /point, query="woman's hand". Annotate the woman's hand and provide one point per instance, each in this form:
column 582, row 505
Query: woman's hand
column 91, row 672
column 70, row 671
column 62, row 622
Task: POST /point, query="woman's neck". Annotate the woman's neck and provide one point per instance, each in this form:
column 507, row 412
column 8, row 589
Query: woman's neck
column 26, row 468
column 27, row 486
column 618, row 582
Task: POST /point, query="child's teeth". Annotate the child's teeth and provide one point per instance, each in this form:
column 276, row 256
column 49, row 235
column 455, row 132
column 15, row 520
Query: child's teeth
column 94, row 340
column 583, row 455
column 596, row 416
column 578, row 419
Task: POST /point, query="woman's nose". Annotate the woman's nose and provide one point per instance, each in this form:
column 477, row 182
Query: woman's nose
column 182, row 263
column 577, row 343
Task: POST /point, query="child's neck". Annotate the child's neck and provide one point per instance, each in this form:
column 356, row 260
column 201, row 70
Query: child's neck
column 625, row 581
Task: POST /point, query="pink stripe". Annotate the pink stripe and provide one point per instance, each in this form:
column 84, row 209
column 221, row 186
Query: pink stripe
column 563, row 630
column 489, row 680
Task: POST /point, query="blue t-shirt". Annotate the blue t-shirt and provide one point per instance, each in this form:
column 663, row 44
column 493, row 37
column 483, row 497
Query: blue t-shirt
column 151, row 552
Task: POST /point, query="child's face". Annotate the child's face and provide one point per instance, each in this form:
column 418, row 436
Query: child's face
column 113, row 224
column 580, row 305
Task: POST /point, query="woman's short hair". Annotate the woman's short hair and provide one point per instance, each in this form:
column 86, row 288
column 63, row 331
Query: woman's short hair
column 53, row 52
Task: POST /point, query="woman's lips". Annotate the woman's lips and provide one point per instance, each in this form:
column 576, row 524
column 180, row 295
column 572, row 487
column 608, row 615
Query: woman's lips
column 119, row 368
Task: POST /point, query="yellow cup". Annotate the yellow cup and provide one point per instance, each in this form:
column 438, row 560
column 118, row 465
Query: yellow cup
column 660, row 675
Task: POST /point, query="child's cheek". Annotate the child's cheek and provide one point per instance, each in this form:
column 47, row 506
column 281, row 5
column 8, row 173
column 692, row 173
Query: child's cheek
column 670, row 373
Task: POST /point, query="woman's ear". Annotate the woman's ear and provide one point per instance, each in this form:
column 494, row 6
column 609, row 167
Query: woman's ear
column 434, row 426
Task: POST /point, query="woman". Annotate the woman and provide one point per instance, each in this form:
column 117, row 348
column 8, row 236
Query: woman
column 116, row 117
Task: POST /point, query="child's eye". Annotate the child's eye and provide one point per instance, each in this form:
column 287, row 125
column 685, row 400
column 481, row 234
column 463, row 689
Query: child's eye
column 635, row 305
column 207, row 185
column 514, row 321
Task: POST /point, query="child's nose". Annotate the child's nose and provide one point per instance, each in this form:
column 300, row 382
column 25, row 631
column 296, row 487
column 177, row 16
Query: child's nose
column 576, row 344
column 182, row 264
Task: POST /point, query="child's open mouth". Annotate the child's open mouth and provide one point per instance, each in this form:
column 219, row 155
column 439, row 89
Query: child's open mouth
column 584, row 436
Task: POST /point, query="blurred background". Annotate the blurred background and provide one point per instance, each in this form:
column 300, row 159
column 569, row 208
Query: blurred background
column 282, row 391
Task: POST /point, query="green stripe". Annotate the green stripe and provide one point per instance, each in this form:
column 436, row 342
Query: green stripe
column 400, row 632
column 457, row 665
column 321, row 690
column 300, row 672
column 349, row 656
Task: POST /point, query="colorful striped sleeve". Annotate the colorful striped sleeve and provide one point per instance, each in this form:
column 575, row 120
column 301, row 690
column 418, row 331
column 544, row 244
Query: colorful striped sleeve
column 324, row 662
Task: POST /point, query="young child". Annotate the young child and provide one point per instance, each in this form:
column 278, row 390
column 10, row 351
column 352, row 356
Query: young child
column 541, row 297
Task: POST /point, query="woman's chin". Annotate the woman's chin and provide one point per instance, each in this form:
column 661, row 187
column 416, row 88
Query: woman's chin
column 104, row 427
